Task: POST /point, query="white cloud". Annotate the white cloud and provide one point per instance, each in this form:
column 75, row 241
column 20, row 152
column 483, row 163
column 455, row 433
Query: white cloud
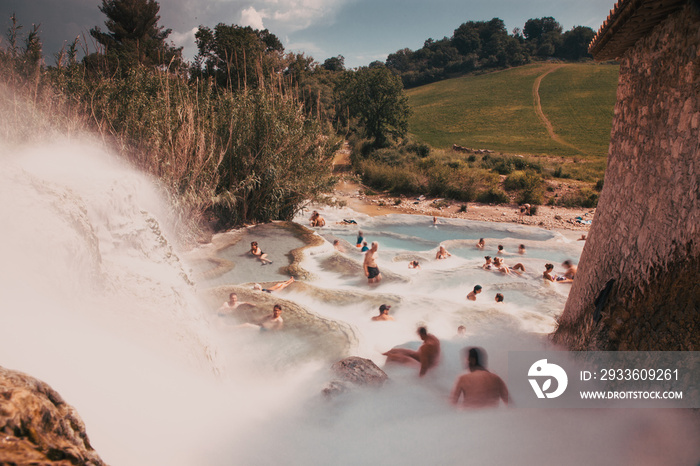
column 183, row 39
column 253, row 18
column 295, row 15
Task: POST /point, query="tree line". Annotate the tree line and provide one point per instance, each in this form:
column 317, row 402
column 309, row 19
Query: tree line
column 486, row 45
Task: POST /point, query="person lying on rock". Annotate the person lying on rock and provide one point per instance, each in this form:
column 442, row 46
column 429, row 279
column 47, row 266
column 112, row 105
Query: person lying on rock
column 428, row 355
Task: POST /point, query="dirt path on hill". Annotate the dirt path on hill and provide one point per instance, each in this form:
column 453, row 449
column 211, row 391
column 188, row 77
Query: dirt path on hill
column 540, row 113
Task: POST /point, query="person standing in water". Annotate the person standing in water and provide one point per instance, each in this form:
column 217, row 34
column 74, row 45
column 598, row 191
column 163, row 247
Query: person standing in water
column 478, row 388
column 370, row 264
column 360, row 239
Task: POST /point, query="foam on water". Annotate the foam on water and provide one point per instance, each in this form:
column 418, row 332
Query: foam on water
column 97, row 302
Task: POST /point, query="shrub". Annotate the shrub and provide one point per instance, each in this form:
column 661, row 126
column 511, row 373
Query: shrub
column 492, row 196
column 583, row 197
column 529, row 185
column 397, row 180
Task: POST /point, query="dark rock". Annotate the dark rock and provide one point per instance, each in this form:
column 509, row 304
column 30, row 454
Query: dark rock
column 38, row 427
column 354, row 371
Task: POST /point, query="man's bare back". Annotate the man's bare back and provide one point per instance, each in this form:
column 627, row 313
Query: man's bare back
column 479, row 388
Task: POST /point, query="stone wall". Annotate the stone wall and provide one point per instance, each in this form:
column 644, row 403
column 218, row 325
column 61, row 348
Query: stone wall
column 646, row 231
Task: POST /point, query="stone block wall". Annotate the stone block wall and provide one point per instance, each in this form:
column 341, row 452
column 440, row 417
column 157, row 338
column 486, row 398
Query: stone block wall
column 646, row 231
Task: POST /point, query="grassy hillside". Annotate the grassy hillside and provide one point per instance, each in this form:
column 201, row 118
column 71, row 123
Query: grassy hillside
column 497, row 111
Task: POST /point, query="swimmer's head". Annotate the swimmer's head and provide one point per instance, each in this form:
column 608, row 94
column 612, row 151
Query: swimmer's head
column 461, row 330
column 477, row 289
column 422, row 332
column 566, row 263
column 475, row 357
column 499, row 298
column 375, row 245
column 500, row 247
column 488, row 258
column 548, row 267
column 384, row 308
column 233, row 297
column 277, row 309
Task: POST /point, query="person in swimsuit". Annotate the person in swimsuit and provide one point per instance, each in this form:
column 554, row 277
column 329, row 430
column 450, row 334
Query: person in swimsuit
column 365, row 248
column 499, row 298
column 442, row 253
column 481, row 243
column 256, row 251
column 275, row 287
column 472, row 294
column 360, row 239
column 548, row 275
column 414, row 265
column 487, row 265
column 370, row 264
column 499, row 265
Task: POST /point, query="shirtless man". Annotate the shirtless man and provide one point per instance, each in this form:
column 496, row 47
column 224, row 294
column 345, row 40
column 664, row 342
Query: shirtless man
column 428, row 355
column 481, row 243
column 232, row 303
column 383, row 313
column 270, row 322
column 524, row 210
column 370, row 264
column 479, row 387
column 472, row 294
column 571, row 269
column 316, row 220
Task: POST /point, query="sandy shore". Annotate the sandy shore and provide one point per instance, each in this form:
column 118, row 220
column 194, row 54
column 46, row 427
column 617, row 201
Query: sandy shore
column 549, row 217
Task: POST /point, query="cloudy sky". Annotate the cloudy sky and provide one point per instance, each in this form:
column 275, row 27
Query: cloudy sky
column 360, row 30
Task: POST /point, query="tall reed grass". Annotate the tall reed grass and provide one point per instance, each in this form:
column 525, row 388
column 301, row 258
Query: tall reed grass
column 224, row 157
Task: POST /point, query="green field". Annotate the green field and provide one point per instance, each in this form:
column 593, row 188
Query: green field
column 497, row 111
